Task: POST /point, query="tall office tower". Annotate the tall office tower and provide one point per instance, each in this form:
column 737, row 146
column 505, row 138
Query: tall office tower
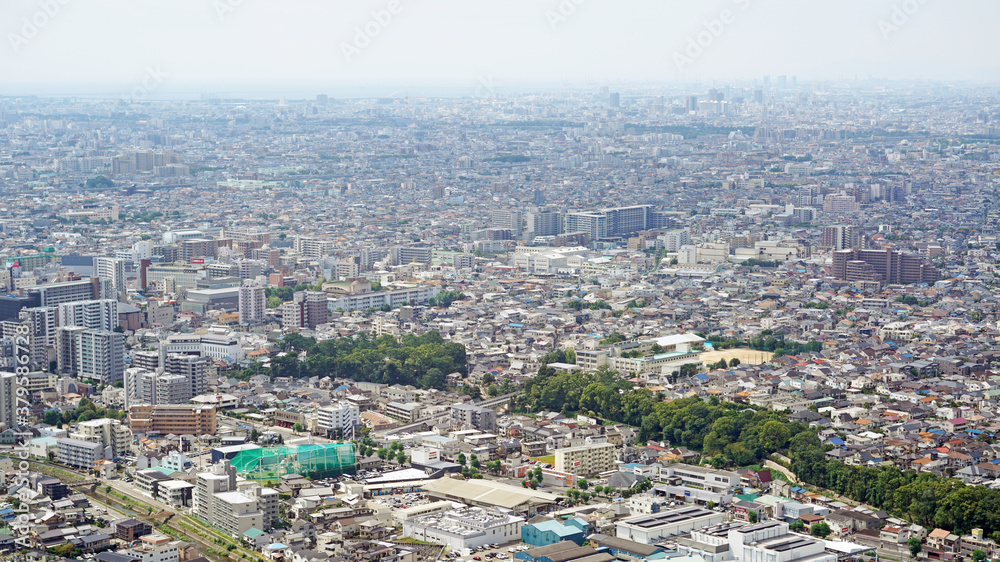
column 112, row 269
column 614, row 99
column 8, row 400
column 758, row 96
column 544, row 222
column 539, row 197
column 252, row 303
column 691, row 103
column 843, row 237
column 510, row 220
column 100, row 355
column 67, row 352
column 41, row 337
column 194, row 370
column 94, row 314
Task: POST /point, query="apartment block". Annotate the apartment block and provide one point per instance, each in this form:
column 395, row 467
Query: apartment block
column 588, row 460
column 79, row 453
column 179, row 419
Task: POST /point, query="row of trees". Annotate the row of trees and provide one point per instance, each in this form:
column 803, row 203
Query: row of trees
column 421, row 360
column 929, row 500
column 737, row 435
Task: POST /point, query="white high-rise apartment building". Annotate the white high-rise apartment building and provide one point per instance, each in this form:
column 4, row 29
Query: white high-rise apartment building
column 101, row 355
column 112, row 269
column 8, row 399
column 252, row 303
column 94, row 314
column 335, row 417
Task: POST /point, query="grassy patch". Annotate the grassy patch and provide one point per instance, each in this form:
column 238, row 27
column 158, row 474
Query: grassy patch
column 550, row 459
column 409, row 540
column 775, row 474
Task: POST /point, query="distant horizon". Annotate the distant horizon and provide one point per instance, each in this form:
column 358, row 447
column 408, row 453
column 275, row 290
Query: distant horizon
column 116, row 47
column 446, row 89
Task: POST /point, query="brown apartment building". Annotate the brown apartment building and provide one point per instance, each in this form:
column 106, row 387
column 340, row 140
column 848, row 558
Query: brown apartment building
column 886, row 266
column 179, row 419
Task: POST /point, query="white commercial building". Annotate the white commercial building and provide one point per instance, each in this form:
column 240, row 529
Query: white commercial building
column 338, row 417
column 466, row 528
column 650, row 529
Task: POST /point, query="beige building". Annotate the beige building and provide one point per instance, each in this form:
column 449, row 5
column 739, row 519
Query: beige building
column 588, row 460
column 179, row 419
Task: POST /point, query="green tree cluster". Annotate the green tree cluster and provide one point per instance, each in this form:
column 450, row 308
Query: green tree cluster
column 421, row 360
column 445, row 298
column 85, row 411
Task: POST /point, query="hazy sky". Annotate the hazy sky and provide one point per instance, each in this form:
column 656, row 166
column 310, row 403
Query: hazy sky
column 285, row 46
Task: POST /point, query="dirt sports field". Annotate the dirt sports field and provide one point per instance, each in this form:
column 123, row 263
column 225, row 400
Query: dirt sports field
column 743, row 354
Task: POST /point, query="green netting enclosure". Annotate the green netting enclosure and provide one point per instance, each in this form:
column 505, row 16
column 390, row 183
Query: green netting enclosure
column 316, row 461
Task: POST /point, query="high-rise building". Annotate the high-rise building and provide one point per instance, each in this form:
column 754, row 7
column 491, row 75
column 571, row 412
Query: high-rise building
column 544, row 222
column 140, row 387
column 67, row 347
column 843, row 237
column 252, row 304
column 43, row 321
column 509, row 220
column 477, row 417
column 217, row 499
column 58, row 293
column 886, row 266
column 100, row 355
column 91, row 314
column 194, row 370
column 112, row 269
column 612, row 222
column 614, row 99
column 587, row 460
column 539, row 197
column 308, row 309
column 402, row 255
column 338, row 419
column 8, row 400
